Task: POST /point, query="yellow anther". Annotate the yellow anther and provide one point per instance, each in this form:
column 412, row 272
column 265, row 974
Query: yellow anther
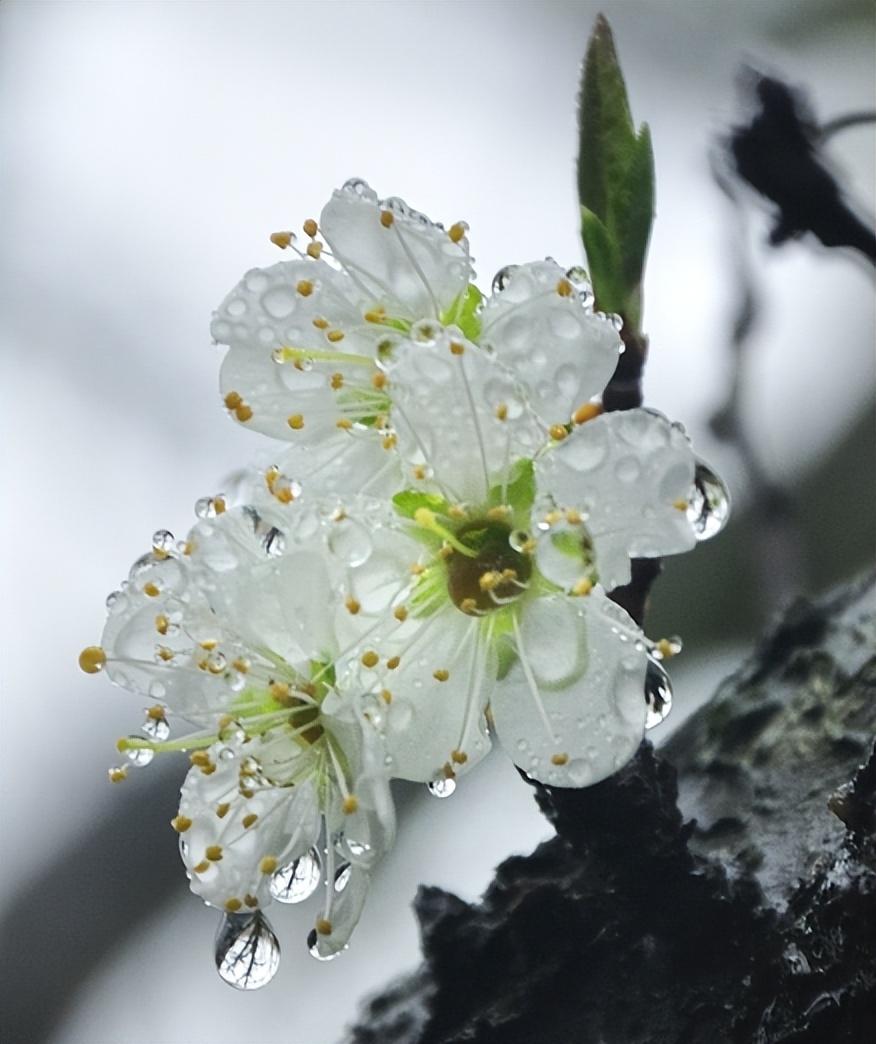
column 335, row 335
column 386, row 696
column 445, row 551
column 393, row 662
column 559, row 759
column 282, row 239
column 208, row 770
column 161, row 623
column 222, row 810
column 557, row 432
column 344, row 423
column 447, row 771
column 233, row 905
column 582, row 587
column 156, row 713
column 323, row 926
column 386, row 218
column 246, row 792
column 320, row 323
column 528, row 546
column 180, row 824
column 189, row 547
column 243, row 413
column 552, row 517
column 271, row 476
column 416, row 569
column 456, row 232
column 680, row 505
column 151, row 589
column 441, row 674
column 310, row 227
column 268, row 865
column 284, row 495
column 586, row 412
column 350, row 805
column 280, row 692
column 666, row 648
column 240, row 665
column 502, row 411
column 379, row 380
column 456, row 348
column 564, row 288
column 375, row 315
column 457, row 511
column 304, row 287
column 487, row 581
column 209, row 644
column 469, row 606
column 202, row 867
column 213, row 853
column 418, row 471
column 337, row 381
column 499, row 513
column 92, row 659
column 164, row 654
column 117, row 775
column 352, row 605
column 199, row 757
column 389, row 441
column 249, row 819
column 400, row 613
column 232, row 400
column 251, row 901
column 370, row 658
column 295, row 421
column 219, row 505
column 573, row 517
column 314, row 249
column 459, row 757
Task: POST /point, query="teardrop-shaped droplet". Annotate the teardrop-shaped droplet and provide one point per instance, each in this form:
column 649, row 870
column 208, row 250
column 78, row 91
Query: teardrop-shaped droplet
column 442, row 788
column 139, row 756
column 500, row 279
column 157, row 729
column 298, row 880
column 658, row 694
column 708, row 506
column 313, row 946
column 274, row 542
column 342, row 876
column 247, row 951
column 162, row 541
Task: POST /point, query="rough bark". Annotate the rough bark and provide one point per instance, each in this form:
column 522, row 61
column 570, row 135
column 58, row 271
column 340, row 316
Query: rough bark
column 721, row 890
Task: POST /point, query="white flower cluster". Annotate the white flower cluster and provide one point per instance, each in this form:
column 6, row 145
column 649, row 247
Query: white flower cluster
column 426, row 566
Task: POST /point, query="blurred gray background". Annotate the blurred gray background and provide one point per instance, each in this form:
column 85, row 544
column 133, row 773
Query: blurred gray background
column 148, row 150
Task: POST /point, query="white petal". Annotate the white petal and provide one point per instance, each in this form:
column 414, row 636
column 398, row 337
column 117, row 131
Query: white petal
column 344, row 461
column 283, row 824
column 412, row 266
column 572, row 709
column 460, row 416
column 342, row 915
column 437, row 693
column 562, row 352
column 629, row 474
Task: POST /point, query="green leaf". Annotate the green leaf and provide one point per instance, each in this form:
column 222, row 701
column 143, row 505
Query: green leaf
column 615, row 181
column 409, row 501
column 465, row 313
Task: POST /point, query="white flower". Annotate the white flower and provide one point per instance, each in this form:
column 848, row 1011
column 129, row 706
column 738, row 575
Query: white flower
column 234, row 633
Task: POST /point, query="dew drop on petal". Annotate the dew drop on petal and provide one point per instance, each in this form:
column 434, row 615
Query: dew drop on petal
column 500, row 279
column 579, row 772
column 658, row 694
column 274, row 542
column 298, row 880
column 162, row 541
column 350, row 541
column 247, row 951
column 708, row 503
column 441, row 788
column 627, row 469
column 313, row 947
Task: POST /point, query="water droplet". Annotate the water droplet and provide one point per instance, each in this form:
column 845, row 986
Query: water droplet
column 162, row 541
column 298, row 880
column 205, row 507
column 274, row 542
column 247, row 951
column 359, row 187
column 658, row 694
column 279, row 302
column 579, row 772
column 441, row 788
column 627, row 469
column 114, row 601
column 577, row 275
column 139, row 756
column 350, row 541
column 342, row 877
column 232, row 732
column 313, row 947
column 518, row 539
column 502, row 277
column 798, row 962
column 708, row 505
column 156, row 729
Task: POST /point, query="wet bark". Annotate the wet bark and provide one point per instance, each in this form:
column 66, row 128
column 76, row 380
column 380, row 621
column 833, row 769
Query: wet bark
column 723, row 889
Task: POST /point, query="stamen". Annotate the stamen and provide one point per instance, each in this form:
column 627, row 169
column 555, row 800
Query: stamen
column 426, row 519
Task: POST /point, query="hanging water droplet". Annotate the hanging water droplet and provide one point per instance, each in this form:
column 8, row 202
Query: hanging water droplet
column 274, row 542
column 298, row 880
column 247, row 951
column 162, row 541
column 359, row 187
column 658, row 694
column 708, row 506
column 139, row 756
column 342, row 876
column 577, row 275
column 208, row 507
column 441, row 788
column 313, row 947
column 156, row 729
column 502, row 277
column 114, row 601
